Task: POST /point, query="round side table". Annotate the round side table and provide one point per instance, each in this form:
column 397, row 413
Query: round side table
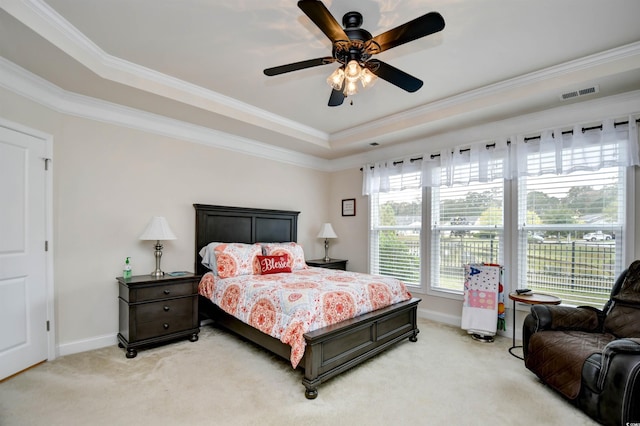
column 529, row 299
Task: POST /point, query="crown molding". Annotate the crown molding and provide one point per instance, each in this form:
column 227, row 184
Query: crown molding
column 537, row 77
column 46, row 22
column 565, row 116
column 22, row 82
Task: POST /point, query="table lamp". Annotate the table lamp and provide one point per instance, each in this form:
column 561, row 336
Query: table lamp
column 326, row 232
column 158, row 229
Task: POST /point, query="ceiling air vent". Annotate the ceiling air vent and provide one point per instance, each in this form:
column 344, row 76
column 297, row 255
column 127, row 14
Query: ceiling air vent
column 580, row 92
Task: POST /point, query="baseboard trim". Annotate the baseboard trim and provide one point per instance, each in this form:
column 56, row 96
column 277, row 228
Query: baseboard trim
column 78, row 346
column 100, row 342
column 453, row 320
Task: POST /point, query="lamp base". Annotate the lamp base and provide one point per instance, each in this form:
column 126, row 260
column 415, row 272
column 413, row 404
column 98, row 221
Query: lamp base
column 326, row 250
column 158, row 253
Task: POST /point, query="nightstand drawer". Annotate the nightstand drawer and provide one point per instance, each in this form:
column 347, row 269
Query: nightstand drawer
column 161, row 291
column 164, row 310
column 157, row 309
column 159, row 327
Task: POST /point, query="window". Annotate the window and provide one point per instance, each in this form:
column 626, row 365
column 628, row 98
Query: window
column 570, row 234
column 553, row 209
column 467, row 227
column 396, row 222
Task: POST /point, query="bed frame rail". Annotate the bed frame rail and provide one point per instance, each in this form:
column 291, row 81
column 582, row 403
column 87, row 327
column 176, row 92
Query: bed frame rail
column 334, row 349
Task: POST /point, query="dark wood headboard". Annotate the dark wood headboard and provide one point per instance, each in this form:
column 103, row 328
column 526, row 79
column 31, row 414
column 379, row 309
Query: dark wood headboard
column 242, row 225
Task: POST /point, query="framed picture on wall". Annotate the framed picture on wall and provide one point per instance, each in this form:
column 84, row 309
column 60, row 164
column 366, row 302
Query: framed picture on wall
column 349, row 207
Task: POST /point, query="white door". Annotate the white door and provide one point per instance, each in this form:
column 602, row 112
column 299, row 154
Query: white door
column 23, row 287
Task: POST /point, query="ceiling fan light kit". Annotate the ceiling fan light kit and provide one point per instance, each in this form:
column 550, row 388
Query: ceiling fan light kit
column 352, row 73
column 336, row 79
column 353, row 48
column 367, row 78
column 352, row 70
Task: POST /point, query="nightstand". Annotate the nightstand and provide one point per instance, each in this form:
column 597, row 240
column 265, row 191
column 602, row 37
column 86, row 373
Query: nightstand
column 329, row 264
column 156, row 310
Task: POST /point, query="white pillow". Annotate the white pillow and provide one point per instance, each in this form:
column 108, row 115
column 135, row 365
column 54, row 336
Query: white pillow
column 294, row 250
column 208, row 254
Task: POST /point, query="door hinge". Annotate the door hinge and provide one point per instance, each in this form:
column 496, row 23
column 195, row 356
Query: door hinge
column 46, row 246
column 48, row 325
column 46, row 163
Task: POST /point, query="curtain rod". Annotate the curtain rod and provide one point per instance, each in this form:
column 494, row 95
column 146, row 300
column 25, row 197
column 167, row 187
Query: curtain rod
column 491, row 145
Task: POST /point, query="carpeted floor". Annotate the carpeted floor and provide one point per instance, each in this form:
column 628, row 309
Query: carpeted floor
column 446, row 378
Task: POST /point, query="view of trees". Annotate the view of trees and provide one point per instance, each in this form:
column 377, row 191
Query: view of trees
column 485, row 208
column 580, row 201
column 399, row 251
column 398, row 257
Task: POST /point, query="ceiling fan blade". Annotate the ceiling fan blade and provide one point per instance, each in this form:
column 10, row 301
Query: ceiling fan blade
column 336, row 98
column 298, row 66
column 426, row 24
column 320, row 15
column 394, row 76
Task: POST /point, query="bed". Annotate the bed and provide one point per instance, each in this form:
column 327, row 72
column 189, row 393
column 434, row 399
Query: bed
column 328, row 351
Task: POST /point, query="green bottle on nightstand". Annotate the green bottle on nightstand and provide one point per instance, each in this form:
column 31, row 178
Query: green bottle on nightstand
column 126, row 272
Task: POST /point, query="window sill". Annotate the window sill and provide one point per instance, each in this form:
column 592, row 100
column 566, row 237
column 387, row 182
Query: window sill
column 447, row 294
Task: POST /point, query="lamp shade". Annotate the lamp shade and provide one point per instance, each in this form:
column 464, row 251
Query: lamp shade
column 326, row 231
column 158, row 229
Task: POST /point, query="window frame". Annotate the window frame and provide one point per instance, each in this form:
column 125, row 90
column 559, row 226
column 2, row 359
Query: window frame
column 374, row 236
column 511, row 236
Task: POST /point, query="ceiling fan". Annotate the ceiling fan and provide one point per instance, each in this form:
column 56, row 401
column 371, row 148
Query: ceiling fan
column 353, row 48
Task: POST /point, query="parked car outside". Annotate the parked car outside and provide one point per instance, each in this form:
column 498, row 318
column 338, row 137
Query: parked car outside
column 535, row 238
column 596, row 236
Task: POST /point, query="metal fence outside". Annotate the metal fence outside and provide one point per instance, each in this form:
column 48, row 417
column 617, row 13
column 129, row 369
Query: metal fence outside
column 580, row 273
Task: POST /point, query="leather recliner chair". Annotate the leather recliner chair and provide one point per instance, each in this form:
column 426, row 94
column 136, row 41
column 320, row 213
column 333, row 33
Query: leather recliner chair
column 591, row 356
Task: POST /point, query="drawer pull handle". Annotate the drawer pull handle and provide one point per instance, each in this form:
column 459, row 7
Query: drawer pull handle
column 167, row 292
column 166, row 326
column 166, row 308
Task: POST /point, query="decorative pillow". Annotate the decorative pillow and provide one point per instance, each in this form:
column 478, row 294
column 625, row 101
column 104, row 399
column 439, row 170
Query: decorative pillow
column 208, row 255
column 235, row 259
column 294, row 250
column 274, row 264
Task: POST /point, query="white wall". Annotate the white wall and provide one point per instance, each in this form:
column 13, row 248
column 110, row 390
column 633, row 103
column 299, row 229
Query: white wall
column 108, row 183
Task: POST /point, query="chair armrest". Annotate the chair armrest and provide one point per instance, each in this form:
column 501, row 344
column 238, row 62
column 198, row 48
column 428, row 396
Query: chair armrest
column 612, row 378
column 553, row 317
column 629, row 346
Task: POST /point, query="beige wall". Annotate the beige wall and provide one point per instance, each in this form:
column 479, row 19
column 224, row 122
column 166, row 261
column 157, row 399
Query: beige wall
column 351, row 243
column 108, row 183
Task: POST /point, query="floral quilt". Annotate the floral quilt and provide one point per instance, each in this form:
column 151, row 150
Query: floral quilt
column 287, row 305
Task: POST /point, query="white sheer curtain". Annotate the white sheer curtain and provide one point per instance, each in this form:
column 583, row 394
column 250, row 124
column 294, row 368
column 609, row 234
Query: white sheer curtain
column 555, row 151
column 376, row 176
column 590, row 150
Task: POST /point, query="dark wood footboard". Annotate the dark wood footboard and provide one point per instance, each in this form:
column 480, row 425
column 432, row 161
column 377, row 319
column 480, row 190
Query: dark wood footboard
column 336, row 348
